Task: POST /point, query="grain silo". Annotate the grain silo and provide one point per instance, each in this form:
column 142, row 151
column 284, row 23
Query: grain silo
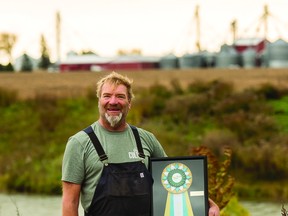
column 169, row 61
column 249, row 57
column 264, row 58
column 209, row 59
column 191, row 61
column 228, row 57
column 278, row 54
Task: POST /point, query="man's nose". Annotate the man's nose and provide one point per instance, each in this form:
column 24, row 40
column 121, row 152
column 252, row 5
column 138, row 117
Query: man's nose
column 113, row 100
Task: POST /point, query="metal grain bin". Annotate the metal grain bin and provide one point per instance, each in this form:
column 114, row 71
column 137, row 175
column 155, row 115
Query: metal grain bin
column 227, row 58
column 249, row 57
column 209, row 59
column 169, row 62
column 278, row 54
column 191, row 61
column 264, row 59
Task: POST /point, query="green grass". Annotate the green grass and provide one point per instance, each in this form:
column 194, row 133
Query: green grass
column 281, row 112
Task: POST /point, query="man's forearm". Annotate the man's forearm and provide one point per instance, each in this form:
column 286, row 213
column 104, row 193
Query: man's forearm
column 70, row 209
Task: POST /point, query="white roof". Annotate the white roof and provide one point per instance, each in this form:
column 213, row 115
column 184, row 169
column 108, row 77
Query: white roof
column 84, row 59
column 94, row 59
column 248, row 41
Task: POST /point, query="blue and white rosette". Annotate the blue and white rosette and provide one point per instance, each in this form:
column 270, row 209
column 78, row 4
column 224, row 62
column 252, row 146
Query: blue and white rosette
column 176, row 178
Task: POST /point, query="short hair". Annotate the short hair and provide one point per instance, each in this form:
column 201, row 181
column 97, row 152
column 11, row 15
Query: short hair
column 116, row 79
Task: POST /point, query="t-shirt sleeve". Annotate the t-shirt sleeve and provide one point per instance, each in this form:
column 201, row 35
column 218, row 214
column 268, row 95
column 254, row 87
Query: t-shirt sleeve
column 73, row 163
column 158, row 150
column 154, row 146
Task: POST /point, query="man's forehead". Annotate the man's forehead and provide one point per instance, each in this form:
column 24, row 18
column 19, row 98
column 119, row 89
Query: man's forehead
column 108, row 87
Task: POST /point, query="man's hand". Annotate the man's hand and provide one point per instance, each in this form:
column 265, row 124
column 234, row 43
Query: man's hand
column 213, row 208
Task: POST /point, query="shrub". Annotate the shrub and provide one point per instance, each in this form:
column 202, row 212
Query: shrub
column 184, row 107
column 160, row 91
column 218, row 140
column 270, row 92
column 46, row 106
column 219, row 180
column 215, row 89
column 249, row 127
column 176, row 87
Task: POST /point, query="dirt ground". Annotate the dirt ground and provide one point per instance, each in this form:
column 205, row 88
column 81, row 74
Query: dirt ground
column 28, row 85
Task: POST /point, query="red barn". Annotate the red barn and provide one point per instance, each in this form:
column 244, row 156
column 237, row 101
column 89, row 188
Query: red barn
column 258, row 44
column 97, row 63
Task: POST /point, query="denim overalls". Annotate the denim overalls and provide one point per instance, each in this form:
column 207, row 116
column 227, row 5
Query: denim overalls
column 124, row 189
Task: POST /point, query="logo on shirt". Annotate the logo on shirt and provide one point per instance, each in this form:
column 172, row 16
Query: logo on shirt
column 133, row 154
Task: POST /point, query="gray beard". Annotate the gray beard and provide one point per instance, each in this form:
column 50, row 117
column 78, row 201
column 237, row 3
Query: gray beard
column 113, row 120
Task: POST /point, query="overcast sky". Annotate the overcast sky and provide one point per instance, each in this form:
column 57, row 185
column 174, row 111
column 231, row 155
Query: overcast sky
column 157, row 27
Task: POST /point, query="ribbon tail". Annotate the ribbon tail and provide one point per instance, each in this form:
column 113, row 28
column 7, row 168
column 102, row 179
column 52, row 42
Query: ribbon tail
column 178, row 205
column 188, row 205
column 169, row 208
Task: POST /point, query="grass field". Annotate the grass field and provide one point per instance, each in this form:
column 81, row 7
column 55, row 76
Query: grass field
column 75, row 83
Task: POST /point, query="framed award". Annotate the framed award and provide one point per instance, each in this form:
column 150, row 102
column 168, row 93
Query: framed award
column 180, row 186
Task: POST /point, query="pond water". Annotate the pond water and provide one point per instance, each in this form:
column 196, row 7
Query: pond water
column 29, row 205
column 263, row 208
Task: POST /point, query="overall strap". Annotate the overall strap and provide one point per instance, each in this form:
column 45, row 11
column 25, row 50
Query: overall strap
column 96, row 143
column 138, row 141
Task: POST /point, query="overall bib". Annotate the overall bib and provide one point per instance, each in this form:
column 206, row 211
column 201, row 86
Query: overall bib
column 124, row 189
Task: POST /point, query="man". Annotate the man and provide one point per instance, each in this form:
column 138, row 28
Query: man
column 106, row 163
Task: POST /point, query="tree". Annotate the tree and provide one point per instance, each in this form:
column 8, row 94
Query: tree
column 122, row 52
column 44, row 62
column 220, row 181
column 26, row 65
column 6, row 68
column 7, row 42
column 87, row 52
column 9, row 67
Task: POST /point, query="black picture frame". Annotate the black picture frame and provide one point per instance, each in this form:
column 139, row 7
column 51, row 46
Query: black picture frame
column 180, row 186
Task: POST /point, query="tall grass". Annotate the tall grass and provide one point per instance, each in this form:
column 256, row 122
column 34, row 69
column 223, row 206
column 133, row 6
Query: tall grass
column 34, row 132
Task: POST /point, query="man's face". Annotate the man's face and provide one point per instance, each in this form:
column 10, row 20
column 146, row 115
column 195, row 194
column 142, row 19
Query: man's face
column 114, row 105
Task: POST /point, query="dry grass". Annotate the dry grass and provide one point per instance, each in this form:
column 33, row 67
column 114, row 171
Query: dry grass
column 75, row 83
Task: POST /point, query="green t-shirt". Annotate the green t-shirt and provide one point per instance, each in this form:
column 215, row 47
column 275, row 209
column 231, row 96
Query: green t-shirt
column 81, row 164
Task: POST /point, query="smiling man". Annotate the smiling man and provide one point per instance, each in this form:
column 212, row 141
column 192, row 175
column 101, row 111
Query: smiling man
column 114, row 104
column 105, row 165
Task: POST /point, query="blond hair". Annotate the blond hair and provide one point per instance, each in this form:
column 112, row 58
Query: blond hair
column 116, row 79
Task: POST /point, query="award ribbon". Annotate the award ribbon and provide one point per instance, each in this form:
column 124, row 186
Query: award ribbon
column 176, row 178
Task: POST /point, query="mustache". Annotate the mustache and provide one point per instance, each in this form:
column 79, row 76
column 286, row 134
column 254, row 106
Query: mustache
column 113, row 107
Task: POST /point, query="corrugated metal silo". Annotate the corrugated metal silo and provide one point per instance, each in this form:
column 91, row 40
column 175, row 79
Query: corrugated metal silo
column 264, row 58
column 168, row 62
column 278, row 54
column 249, row 58
column 227, row 58
column 191, row 61
column 209, row 59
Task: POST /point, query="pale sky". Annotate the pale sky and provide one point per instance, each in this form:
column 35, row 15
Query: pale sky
column 156, row 27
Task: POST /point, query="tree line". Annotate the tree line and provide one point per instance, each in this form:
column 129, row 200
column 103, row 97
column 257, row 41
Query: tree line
column 7, row 44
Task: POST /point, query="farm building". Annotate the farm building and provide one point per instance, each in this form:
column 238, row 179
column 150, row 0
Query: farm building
column 92, row 62
column 245, row 52
column 257, row 44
